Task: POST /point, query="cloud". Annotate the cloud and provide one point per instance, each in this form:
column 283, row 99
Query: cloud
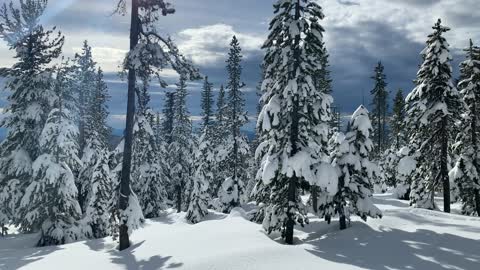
column 208, row 45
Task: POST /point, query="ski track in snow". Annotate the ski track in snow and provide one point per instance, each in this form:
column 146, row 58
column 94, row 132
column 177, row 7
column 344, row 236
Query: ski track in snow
column 404, row 239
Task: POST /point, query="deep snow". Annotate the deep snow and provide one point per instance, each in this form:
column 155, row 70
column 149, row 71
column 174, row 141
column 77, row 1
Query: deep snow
column 404, row 238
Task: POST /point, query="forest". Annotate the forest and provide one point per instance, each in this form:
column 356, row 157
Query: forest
column 310, row 169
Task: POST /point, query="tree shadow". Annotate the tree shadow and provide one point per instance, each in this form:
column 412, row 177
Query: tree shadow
column 391, row 202
column 130, row 262
column 100, row 244
column 422, row 220
column 396, row 249
column 13, row 257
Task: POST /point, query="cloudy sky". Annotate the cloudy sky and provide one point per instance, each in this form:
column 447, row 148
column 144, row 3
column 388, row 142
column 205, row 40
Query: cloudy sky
column 359, row 33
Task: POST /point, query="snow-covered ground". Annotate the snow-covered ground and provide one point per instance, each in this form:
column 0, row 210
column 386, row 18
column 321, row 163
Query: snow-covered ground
column 404, row 239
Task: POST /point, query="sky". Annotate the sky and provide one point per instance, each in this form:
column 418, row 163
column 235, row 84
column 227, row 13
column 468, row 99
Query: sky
column 359, row 34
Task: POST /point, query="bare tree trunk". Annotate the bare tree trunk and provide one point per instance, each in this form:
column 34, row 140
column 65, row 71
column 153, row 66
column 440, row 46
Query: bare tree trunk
column 127, row 153
column 314, row 194
column 343, row 218
column 444, row 168
column 179, row 198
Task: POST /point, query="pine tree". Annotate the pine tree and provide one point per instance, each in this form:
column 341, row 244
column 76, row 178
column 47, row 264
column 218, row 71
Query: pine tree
column 149, row 54
column 352, row 159
column 204, row 161
column 31, row 84
column 398, row 119
column 467, row 166
column 390, row 158
column 294, row 120
column 432, row 110
column 168, row 115
column 99, row 208
column 97, row 137
column 85, row 85
column 220, row 136
column 380, row 107
column 181, row 148
column 50, row 201
column 147, row 174
column 236, row 143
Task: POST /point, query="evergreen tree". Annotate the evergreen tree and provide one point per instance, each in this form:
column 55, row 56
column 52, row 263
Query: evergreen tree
column 31, row 84
column 398, row 119
column 204, row 161
column 432, row 110
column 236, row 143
column 207, row 103
column 85, row 85
column 147, row 174
column 294, row 120
column 181, row 148
column 380, row 107
column 149, row 54
column 50, row 201
column 467, row 166
column 352, row 159
column 220, row 136
column 168, row 116
column 97, row 137
column 390, row 158
column 99, row 209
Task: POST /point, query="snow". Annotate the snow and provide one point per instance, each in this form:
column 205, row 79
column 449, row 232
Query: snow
column 405, row 238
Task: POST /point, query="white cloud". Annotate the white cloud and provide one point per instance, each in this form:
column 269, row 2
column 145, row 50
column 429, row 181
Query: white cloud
column 415, row 18
column 208, row 45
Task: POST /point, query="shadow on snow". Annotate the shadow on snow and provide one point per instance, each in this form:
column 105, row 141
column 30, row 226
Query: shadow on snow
column 389, row 249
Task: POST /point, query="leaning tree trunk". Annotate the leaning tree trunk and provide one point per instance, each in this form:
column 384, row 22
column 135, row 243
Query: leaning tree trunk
column 127, row 152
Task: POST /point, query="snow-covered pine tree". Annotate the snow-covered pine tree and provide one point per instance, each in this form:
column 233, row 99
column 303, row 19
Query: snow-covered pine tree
column 293, row 123
column 351, row 157
column 50, row 201
column 182, row 146
column 157, row 129
column 147, row 174
column 168, row 115
column 336, row 121
column 390, row 158
column 204, row 161
column 99, row 205
column 466, row 172
column 236, row 144
column 97, row 135
column 398, row 120
column 431, row 113
column 97, row 187
column 379, row 112
column 149, row 54
column 30, row 83
column 85, row 84
column 220, row 136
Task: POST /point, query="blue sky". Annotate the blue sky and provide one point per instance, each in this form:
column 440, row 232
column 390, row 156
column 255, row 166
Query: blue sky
column 359, row 33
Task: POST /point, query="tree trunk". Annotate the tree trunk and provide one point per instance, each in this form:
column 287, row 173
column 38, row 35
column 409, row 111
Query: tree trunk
column 314, row 194
column 292, row 182
column 343, row 218
column 179, row 198
column 444, row 168
column 477, row 201
column 127, row 153
column 291, row 199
